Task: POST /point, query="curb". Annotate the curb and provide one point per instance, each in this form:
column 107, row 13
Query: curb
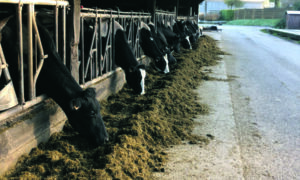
column 286, row 33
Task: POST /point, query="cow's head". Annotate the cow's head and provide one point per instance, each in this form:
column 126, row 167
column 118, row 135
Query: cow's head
column 176, row 44
column 86, row 119
column 162, row 64
column 135, row 78
column 172, row 60
column 185, row 42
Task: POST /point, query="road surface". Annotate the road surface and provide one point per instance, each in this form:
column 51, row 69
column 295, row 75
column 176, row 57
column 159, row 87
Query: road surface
column 255, row 112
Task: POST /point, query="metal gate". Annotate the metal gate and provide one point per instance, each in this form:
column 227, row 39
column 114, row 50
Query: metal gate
column 97, row 39
column 165, row 18
column 26, row 93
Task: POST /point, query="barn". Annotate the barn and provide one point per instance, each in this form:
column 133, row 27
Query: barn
column 27, row 115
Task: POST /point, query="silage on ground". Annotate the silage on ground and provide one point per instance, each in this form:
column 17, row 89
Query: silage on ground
column 140, row 127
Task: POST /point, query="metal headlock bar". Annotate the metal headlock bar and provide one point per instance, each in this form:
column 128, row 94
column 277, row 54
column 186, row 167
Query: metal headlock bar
column 100, row 58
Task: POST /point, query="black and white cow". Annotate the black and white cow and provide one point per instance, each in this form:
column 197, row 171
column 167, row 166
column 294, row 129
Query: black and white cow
column 152, row 50
column 80, row 106
column 162, row 43
column 135, row 73
column 181, row 29
column 194, row 30
column 172, row 38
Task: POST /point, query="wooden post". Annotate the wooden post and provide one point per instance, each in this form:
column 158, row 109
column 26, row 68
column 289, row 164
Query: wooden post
column 72, row 38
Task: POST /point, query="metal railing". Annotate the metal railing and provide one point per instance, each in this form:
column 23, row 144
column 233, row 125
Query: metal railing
column 35, row 54
column 98, row 59
column 193, row 18
column 165, row 18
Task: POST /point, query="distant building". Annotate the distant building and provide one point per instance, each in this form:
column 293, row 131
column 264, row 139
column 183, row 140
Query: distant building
column 293, row 20
column 214, row 6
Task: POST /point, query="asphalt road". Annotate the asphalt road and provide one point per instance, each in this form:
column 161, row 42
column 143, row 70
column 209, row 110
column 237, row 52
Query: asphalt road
column 265, row 93
column 254, row 101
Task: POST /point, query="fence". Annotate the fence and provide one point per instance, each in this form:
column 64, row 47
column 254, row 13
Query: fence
column 100, row 61
column 268, row 13
column 100, row 58
column 164, row 17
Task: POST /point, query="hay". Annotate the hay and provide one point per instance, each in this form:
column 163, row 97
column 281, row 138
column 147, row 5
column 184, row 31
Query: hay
column 140, row 127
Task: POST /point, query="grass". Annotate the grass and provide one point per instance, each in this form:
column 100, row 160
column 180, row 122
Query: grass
column 254, row 22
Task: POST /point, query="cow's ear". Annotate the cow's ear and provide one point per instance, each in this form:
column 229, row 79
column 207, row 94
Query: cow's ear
column 75, row 104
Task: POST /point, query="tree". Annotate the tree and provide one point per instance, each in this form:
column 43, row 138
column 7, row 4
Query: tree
column 276, row 3
column 234, row 3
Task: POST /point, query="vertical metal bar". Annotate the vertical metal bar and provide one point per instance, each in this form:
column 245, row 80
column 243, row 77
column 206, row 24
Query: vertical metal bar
column 107, row 56
column 96, row 47
column 82, row 50
column 100, row 47
column 137, row 39
column 56, row 27
column 64, row 35
column 35, row 52
column 30, row 52
column 21, row 69
column 112, row 42
column 131, row 32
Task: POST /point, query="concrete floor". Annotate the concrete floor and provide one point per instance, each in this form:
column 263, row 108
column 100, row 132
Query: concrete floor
column 254, row 116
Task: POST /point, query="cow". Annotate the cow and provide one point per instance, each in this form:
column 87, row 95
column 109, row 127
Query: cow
column 162, row 43
column 172, row 38
column 151, row 49
column 181, row 29
column 135, row 73
column 80, row 106
column 193, row 29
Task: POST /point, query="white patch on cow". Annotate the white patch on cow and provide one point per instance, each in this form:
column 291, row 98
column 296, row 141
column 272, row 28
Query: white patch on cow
column 104, row 28
column 151, row 39
column 144, row 25
column 167, row 64
column 188, row 39
column 143, row 73
column 117, row 27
